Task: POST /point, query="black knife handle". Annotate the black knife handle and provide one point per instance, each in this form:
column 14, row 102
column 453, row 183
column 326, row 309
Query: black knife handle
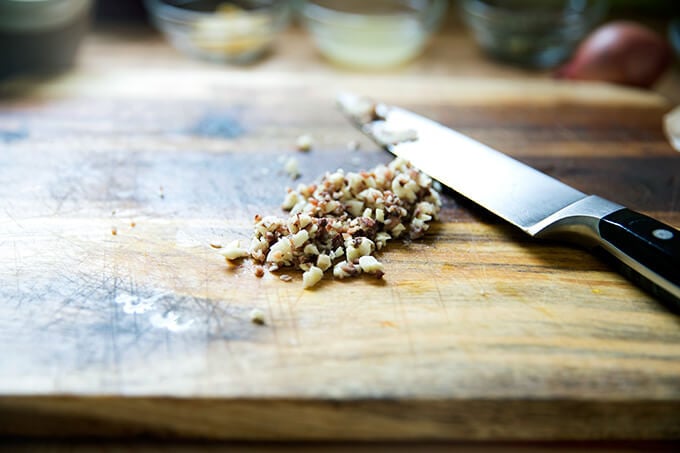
column 647, row 246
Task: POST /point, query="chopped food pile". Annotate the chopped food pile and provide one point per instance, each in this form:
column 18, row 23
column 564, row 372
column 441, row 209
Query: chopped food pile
column 339, row 223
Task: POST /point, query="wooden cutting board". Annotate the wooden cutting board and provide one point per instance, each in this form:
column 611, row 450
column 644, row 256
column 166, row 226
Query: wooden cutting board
column 118, row 318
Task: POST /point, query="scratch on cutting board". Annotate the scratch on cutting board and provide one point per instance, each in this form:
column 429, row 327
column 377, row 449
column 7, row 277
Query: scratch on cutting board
column 133, row 303
column 113, row 337
column 440, row 297
column 481, row 282
column 404, row 320
column 292, row 317
column 542, row 310
column 184, row 239
column 17, row 274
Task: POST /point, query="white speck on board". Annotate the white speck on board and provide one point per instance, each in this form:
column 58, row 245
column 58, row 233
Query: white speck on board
column 171, row 321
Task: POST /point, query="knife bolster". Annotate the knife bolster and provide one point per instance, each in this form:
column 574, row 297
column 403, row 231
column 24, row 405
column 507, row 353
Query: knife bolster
column 577, row 222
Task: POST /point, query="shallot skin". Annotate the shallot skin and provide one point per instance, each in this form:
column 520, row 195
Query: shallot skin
column 620, row 52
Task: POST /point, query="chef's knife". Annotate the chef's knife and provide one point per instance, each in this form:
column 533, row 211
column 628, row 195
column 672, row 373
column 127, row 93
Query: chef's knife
column 538, row 204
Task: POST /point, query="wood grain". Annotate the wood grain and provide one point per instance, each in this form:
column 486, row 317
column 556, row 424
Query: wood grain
column 477, row 332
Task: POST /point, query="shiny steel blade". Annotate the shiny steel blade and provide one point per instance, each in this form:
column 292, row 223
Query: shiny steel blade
column 510, row 189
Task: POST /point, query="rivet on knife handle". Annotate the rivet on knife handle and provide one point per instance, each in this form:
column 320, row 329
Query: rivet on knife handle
column 649, row 247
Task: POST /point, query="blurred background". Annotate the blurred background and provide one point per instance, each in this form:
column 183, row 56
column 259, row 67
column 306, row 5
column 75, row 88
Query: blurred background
column 627, row 42
column 44, row 35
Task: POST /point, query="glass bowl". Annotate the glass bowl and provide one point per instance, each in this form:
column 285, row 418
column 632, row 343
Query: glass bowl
column 532, row 33
column 674, row 35
column 217, row 30
column 371, row 34
column 41, row 36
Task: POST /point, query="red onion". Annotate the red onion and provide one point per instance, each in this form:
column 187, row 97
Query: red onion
column 619, row 52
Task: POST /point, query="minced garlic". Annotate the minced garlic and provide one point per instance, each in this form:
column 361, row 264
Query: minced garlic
column 304, row 142
column 311, row 277
column 344, row 219
column 257, row 316
column 234, row 251
column 292, row 167
column 370, row 265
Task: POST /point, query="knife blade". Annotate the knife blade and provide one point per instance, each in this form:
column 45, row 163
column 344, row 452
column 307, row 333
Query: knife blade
column 538, row 204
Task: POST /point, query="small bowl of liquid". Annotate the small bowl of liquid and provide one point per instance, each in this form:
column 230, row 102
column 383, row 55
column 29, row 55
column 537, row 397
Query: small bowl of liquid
column 238, row 31
column 371, row 34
